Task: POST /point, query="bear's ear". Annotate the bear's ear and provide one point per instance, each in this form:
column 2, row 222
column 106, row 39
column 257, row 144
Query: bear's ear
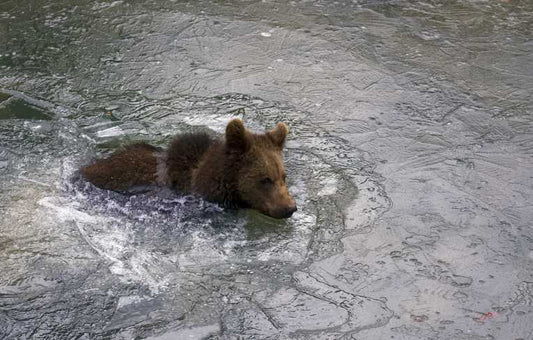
column 236, row 135
column 278, row 134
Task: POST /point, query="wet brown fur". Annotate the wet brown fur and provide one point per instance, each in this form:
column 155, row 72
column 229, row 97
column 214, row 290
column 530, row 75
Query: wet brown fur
column 131, row 166
column 244, row 169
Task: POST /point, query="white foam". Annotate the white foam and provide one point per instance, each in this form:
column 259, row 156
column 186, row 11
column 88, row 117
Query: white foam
column 67, row 211
column 114, row 243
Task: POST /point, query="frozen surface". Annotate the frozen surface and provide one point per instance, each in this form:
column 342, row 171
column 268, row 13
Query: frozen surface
column 410, row 157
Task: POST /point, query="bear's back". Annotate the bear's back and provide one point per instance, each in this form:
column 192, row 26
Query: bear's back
column 183, row 155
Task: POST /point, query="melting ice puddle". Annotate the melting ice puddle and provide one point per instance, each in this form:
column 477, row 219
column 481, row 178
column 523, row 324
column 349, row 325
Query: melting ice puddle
column 323, row 78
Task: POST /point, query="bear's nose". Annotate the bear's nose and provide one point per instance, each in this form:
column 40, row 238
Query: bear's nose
column 289, row 211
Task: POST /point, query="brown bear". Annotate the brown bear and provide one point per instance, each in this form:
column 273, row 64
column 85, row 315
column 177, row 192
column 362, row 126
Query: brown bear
column 243, row 170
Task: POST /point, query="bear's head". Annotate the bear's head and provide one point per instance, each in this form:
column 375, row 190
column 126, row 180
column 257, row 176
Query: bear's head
column 261, row 178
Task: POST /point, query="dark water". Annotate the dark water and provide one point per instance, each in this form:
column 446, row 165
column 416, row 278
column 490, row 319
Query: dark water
column 410, row 158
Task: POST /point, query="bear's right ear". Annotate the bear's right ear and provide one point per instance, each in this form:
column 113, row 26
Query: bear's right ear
column 279, row 134
column 236, row 135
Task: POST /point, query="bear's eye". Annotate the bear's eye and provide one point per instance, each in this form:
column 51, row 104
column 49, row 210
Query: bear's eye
column 266, row 181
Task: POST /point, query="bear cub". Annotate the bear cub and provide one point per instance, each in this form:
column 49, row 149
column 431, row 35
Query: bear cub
column 242, row 170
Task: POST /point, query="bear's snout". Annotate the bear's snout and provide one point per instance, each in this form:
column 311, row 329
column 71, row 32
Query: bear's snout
column 288, row 211
column 283, row 212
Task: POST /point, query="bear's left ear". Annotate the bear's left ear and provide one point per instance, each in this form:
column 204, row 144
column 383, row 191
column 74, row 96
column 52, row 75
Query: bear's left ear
column 278, row 134
column 236, row 135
